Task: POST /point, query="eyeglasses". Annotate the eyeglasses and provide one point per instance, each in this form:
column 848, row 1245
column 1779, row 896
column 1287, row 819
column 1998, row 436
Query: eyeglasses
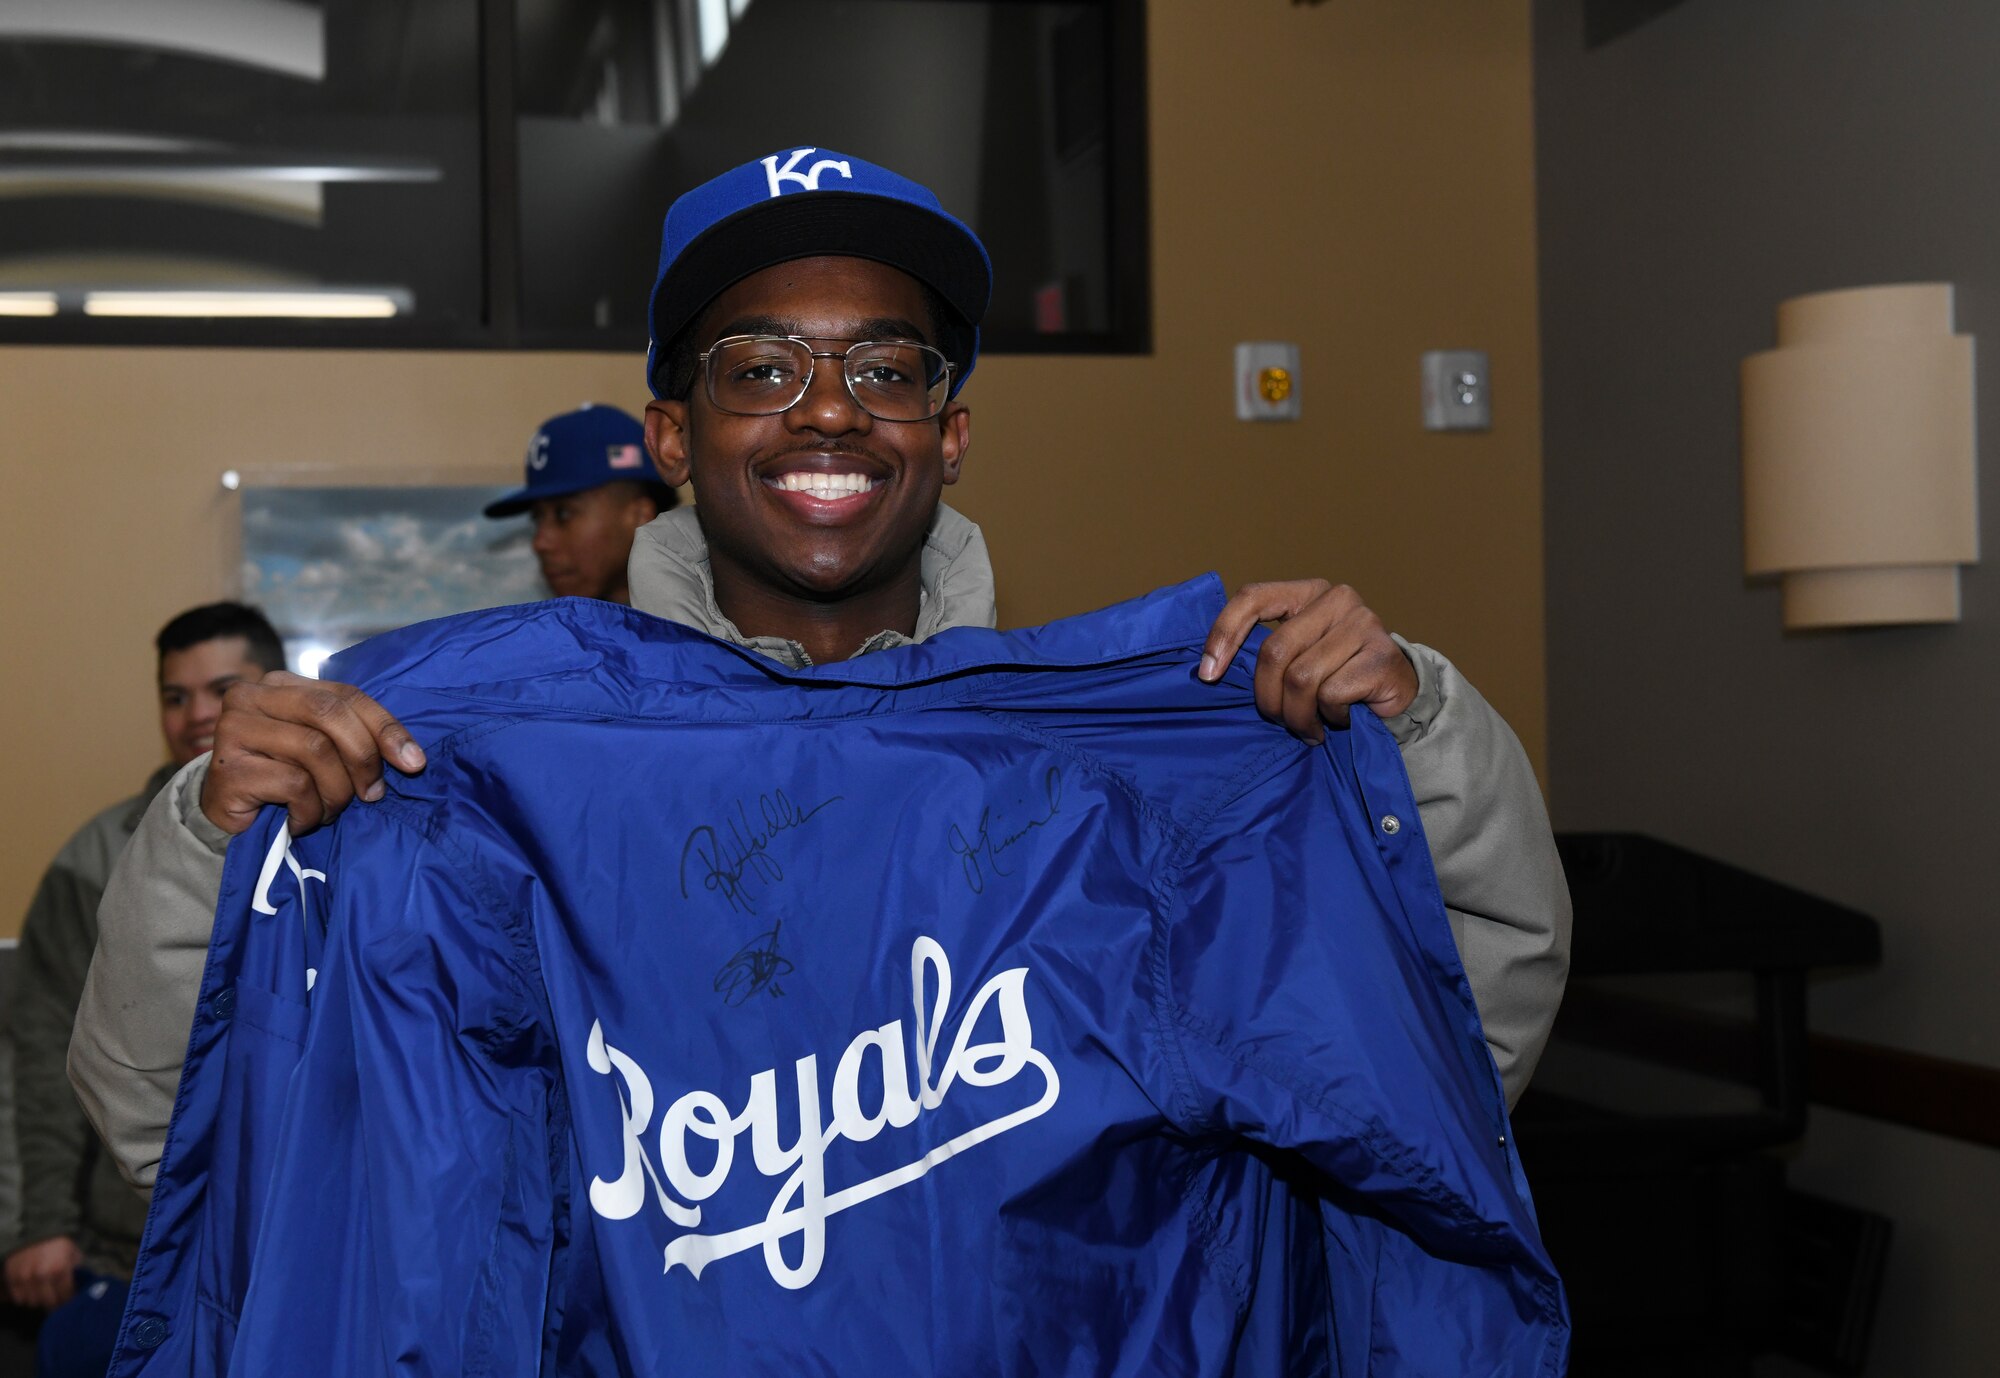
column 762, row 375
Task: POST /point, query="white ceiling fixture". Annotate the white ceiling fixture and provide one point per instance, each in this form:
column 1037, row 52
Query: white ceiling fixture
column 295, row 305
column 97, row 141
column 27, row 303
column 98, row 163
column 284, row 36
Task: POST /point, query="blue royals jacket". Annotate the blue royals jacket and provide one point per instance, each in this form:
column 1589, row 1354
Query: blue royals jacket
column 1013, row 1003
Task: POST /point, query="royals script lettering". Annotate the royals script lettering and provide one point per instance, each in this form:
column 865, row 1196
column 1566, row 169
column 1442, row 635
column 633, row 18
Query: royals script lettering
column 801, row 1204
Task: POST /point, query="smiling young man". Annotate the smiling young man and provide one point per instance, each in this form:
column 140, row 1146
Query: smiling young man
column 813, row 322
column 587, row 487
column 818, row 433
column 79, row 1222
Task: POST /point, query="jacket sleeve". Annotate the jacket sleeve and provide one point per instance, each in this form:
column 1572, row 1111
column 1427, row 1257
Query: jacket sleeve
column 411, row 1204
column 1495, row 857
column 366, row 1159
column 53, row 1139
column 1313, row 1004
column 138, row 1002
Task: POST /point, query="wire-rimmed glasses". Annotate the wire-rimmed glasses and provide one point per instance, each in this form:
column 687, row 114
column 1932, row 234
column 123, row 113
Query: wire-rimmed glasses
column 762, row 375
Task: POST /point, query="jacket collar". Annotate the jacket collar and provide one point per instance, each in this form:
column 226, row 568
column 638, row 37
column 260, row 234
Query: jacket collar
column 577, row 655
column 670, row 577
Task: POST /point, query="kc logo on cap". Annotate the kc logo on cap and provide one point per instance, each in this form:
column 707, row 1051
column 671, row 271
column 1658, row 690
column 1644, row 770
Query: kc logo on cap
column 807, row 180
column 813, row 202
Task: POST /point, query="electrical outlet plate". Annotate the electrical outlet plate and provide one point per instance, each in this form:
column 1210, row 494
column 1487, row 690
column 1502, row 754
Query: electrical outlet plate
column 1458, row 390
column 1267, row 381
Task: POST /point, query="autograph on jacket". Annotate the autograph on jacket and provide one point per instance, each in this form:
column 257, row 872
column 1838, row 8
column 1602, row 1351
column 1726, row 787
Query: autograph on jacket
column 734, row 859
column 756, row 968
column 979, row 854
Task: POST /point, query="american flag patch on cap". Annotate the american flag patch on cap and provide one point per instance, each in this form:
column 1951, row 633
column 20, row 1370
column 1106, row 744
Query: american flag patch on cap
column 625, row 457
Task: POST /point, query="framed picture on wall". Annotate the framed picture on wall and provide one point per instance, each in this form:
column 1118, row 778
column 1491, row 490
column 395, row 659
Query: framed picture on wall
column 331, row 566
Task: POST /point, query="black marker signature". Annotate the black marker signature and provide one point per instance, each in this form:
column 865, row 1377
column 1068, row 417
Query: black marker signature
column 735, row 860
column 981, row 852
column 757, row 967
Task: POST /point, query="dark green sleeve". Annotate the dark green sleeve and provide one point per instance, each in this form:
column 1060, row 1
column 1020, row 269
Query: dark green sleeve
column 56, row 943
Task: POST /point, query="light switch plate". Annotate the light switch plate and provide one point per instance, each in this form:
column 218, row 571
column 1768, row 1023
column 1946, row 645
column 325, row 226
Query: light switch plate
column 1458, row 390
column 1267, row 381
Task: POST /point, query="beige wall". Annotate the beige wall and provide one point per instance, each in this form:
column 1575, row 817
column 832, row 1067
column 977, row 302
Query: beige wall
column 1354, row 177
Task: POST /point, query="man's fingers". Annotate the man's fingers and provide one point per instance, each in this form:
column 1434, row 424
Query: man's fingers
column 239, row 757
column 1307, row 704
column 1385, row 681
column 1362, row 680
column 23, row 1282
column 395, row 743
column 1253, row 603
column 1376, row 676
column 388, row 740
column 333, row 733
column 1226, row 637
column 1328, row 652
column 1334, row 654
column 364, row 731
column 1299, row 648
column 239, row 788
column 38, row 1289
column 340, row 712
column 43, row 1274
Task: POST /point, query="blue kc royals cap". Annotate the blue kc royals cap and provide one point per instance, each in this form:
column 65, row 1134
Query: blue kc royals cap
column 802, row 203
column 580, row 449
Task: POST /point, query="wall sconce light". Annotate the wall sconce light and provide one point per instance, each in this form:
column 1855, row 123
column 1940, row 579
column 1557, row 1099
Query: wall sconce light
column 1858, row 461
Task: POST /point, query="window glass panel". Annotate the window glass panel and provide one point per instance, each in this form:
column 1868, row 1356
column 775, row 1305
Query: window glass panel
column 1002, row 108
column 238, row 158
column 327, row 167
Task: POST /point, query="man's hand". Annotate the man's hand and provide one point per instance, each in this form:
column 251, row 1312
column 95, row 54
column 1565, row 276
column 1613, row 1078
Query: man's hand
column 1327, row 652
column 311, row 745
column 43, row 1275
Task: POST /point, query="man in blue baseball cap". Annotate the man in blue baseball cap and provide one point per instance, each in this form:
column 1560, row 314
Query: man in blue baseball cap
column 813, row 321
column 589, row 485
